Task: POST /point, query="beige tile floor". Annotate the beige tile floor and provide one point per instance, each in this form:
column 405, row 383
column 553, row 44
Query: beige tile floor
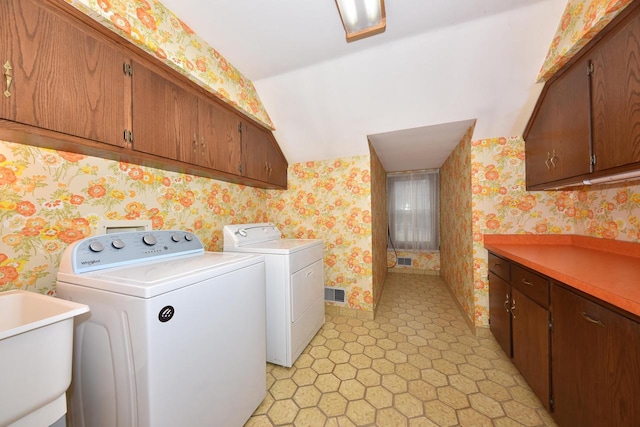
column 416, row 364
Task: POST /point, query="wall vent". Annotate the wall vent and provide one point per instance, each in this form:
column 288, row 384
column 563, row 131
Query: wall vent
column 334, row 294
column 404, row 261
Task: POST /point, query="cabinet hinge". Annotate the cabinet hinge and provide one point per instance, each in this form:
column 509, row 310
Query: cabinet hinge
column 128, row 136
column 127, row 69
column 589, row 68
column 593, row 159
column 550, row 325
column 240, row 168
column 552, row 404
column 240, row 127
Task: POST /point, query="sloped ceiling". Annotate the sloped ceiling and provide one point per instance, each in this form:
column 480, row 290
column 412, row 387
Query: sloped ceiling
column 439, row 63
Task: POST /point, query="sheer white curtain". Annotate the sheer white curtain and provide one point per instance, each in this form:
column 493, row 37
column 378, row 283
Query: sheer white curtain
column 413, row 210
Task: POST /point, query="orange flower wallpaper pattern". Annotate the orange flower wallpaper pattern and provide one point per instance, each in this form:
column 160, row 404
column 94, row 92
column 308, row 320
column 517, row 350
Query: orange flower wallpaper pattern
column 580, row 22
column 456, row 243
column 331, row 200
column 50, row 199
column 501, row 205
column 152, row 27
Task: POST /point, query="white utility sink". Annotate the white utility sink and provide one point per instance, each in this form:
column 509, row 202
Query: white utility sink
column 36, row 343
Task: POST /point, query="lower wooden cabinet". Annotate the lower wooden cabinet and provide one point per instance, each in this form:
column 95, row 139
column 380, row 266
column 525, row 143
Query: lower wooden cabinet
column 596, row 363
column 500, row 311
column 579, row 356
column 530, row 336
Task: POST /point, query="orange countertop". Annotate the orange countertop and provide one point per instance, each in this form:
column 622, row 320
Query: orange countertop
column 606, row 269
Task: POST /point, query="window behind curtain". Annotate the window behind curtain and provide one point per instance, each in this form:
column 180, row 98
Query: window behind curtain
column 413, row 210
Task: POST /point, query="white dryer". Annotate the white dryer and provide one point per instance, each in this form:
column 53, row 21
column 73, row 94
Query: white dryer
column 175, row 335
column 295, row 286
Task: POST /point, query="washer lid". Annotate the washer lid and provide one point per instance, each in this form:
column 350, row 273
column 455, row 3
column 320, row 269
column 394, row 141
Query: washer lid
column 153, row 278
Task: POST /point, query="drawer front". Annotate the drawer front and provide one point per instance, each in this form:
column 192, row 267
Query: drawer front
column 500, row 267
column 531, row 284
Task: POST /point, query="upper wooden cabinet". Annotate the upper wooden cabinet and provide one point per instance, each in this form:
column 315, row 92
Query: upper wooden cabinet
column 220, row 143
column 80, row 87
column 557, row 141
column 586, row 123
column 57, row 76
column 262, row 159
column 616, row 97
column 165, row 115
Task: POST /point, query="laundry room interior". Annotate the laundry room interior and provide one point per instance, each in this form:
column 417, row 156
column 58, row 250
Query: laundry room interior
column 314, row 130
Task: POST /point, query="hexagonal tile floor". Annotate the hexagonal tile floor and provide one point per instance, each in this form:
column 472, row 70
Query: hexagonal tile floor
column 416, row 364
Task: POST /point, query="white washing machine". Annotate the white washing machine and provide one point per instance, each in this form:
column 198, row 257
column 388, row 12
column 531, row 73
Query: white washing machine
column 295, row 286
column 175, row 335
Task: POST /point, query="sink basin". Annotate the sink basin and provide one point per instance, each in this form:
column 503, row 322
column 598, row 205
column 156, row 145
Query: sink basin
column 36, row 342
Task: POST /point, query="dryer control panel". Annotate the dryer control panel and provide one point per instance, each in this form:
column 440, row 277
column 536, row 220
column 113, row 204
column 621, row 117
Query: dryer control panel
column 114, row 250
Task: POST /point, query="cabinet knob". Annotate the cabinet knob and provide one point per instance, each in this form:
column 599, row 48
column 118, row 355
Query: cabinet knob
column 9, row 77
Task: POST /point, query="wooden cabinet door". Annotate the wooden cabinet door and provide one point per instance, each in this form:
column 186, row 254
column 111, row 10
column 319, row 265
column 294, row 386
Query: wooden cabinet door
column 530, row 326
column 558, row 138
column 262, row 160
column 62, row 78
column 219, row 144
column 596, row 363
column 165, row 115
column 616, row 97
column 499, row 314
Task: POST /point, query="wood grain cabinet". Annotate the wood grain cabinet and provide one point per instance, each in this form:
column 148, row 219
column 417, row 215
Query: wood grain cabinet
column 596, row 363
column 578, row 355
column 558, row 144
column 79, row 87
column 519, row 320
column 261, row 157
column 585, row 123
column 500, row 301
column 58, row 77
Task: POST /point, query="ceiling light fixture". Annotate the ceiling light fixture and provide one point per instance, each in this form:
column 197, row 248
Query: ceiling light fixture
column 362, row 18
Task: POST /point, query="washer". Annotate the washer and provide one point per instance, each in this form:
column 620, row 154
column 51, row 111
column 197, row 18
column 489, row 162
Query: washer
column 175, row 335
column 295, row 286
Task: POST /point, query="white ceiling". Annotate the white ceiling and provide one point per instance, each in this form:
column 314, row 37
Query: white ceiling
column 439, row 63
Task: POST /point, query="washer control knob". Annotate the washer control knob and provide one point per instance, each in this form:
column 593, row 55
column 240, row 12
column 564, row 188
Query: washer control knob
column 175, row 237
column 118, row 244
column 149, row 239
column 188, row 237
column 96, row 247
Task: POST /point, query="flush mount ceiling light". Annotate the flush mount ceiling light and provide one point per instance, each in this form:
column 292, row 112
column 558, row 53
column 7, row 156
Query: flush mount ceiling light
column 362, row 18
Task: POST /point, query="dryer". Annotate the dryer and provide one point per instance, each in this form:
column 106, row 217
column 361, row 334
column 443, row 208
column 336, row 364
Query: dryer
column 294, row 286
column 175, row 335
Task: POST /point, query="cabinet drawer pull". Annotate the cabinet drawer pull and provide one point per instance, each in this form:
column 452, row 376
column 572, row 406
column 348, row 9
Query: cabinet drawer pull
column 554, row 157
column 9, row 77
column 513, row 308
column 526, row 282
column 546, row 162
column 506, row 303
column 588, row 318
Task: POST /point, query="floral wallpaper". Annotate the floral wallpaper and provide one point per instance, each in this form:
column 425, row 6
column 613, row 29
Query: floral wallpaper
column 581, row 21
column 456, row 243
column 501, row 205
column 379, row 224
column 152, row 27
column 49, row 199
column 331, row 200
